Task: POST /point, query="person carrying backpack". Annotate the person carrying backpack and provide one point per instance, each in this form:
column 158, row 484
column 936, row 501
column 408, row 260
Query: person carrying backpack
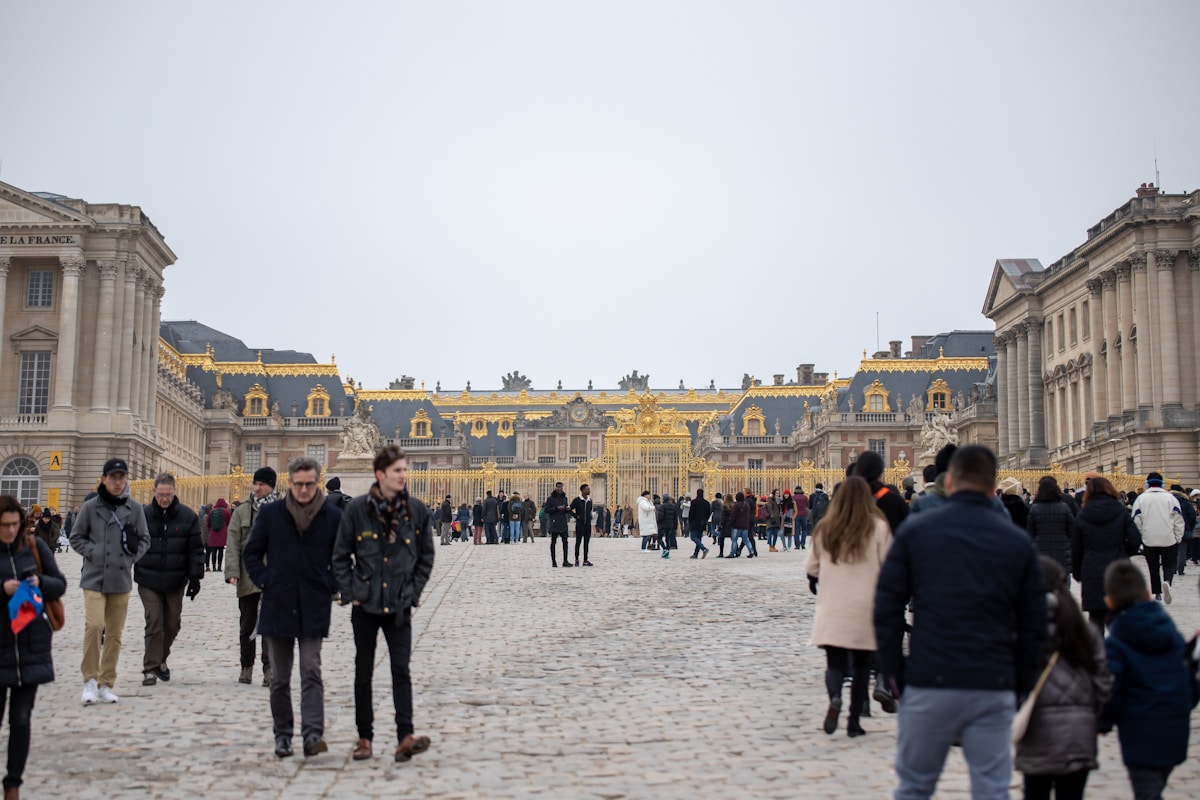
column 218, row 534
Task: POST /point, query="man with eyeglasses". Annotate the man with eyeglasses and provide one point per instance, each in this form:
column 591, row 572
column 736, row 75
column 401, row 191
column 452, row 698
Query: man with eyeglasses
column 174, row 562
column 288, row 557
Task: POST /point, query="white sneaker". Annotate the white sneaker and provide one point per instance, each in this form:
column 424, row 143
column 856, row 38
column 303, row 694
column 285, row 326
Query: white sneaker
column 1166, row 593
column 107, row 696
column 89, row 693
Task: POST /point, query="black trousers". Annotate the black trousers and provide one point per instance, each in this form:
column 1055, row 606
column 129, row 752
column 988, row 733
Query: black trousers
column 20, row 709
column 1160, row 558
column 247, row 619
column 554, row 536
column 215, row 556
column 584, row 537
column 840, row 662
column 397, row 632
column 1066, row 787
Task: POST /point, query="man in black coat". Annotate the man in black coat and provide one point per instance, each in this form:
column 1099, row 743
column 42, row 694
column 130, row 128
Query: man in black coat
column 491, row 515
column 581, row 510
column 557, row 513
column 175, row 561
column 697, row 521
column 979, row 611
column 288, row 556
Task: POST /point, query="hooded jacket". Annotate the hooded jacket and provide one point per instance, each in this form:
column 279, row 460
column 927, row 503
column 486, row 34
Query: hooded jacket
column 647, row 519
column 219, row 538
column 1153, row 692
column 176, row 553
column 97, row 537
column 1104, row 532
column 557, row 512
column 1158, row 517
column 25, row 657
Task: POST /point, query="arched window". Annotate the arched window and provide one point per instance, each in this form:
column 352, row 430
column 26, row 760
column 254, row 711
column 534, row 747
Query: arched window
column 20, row 478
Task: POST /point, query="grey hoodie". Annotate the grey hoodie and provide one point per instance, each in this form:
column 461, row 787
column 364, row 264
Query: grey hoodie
column 97, row 537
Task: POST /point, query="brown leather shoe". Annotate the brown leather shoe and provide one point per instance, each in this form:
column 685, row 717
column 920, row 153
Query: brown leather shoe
column 362, row 750
column 411, row 746
column 12, row 794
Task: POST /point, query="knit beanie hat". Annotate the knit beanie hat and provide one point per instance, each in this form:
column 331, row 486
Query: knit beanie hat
column 265, row 475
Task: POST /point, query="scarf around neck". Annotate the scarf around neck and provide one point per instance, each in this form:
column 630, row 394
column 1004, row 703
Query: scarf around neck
column 390, row 512
column 109, row 498
column 259, row 502
column 303, row 515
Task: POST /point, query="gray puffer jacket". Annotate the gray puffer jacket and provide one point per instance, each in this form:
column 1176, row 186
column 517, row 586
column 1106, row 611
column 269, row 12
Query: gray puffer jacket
column 1061, row 737
column 97, row 537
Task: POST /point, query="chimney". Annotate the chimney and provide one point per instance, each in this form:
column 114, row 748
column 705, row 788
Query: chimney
column 819, row 379
column 895, row 347
column 919, row 344
column 804, row 374
column 778, row 378
column 1147, row 190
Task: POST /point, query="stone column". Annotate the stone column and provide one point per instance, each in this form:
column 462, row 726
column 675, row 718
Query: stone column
column 1125, row 324
column 116, row 346
column 1167, row 341
column 68, row 333
column 139, row 343
column 1036, row 418
column 1099, row 398
column 1194, row 266
column 155, row 295
column 125, row 380
column 1013, row 377
column 1144, row 389
column 5, row 263
column 1022, row 344
column 150, row 337
column 1112, row 356
column 1001, row 393
column 102, row 358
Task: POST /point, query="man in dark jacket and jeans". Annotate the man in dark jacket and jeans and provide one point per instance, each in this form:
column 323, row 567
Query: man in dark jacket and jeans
column 174, row 561
column 979, row 627
column 381, row 562
column 288, row 556
column 558, row 511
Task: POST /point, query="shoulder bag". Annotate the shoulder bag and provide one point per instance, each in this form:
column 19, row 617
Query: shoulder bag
column 55, row 613
column 1020, row 723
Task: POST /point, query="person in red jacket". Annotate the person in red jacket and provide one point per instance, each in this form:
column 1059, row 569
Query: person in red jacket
column 218, row 534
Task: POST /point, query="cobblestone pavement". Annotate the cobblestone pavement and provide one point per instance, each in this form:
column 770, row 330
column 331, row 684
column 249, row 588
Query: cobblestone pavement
column 637, row 678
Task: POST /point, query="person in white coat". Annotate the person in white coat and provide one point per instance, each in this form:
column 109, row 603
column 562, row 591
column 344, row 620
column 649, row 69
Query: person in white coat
column 1157, row 515
column 647, row 519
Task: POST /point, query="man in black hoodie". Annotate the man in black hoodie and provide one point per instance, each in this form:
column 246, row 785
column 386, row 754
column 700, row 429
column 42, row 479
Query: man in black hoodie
column 697, row 521
column 175, row 561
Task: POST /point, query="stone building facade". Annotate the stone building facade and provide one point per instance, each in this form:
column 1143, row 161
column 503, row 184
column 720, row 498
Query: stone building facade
column 1096, row 354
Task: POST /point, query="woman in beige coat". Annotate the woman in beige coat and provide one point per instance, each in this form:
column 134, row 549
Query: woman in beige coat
column 849, row 546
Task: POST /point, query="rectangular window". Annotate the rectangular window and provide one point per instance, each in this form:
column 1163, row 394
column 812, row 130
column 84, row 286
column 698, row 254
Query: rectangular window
column 1062, row 334
column 875, row 403
column 34, row 391
column 41, row 289
column 252, row 459
column 579, row 444
column 754, row 463
column 317, row 453
column 877, row 446
column 1074, row 327
column 546, row 445
column 418, row 466
column 1049, row 339
column 1085, row 312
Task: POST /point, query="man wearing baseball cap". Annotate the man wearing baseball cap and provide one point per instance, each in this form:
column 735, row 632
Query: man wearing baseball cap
column 1160, row 520
column 111, row 535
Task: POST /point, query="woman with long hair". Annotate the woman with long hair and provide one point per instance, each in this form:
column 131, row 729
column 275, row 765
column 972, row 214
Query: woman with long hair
column 1104, row 532
column 849, row 546
column 1051, row 522
column 1058, row 749
column 25, row 655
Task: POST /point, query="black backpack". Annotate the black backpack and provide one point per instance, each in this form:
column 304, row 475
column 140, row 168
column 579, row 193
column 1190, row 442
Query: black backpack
column 216, row 520
column 817, row 503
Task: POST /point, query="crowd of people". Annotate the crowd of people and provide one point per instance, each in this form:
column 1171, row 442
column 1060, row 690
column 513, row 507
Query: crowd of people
column 956, row 598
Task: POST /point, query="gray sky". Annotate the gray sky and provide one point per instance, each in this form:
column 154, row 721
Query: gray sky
column 575, row 190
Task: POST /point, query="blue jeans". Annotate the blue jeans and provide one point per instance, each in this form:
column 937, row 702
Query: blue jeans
column 931, row 719
column 772, row 536
column 698, row 539
column 801, row 531
column 514, row 531
column 742, row 534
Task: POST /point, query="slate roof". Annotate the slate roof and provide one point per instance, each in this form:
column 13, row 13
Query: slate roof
column 1023, row 273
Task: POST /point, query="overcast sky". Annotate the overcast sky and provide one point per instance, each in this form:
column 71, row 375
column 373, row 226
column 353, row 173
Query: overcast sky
column 574, row 190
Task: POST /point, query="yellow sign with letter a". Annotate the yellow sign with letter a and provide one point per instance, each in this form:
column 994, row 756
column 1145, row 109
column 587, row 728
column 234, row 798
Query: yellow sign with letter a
column 55, row 460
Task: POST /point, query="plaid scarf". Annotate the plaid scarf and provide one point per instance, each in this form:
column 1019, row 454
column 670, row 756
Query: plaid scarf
column 260, row 502
column 390, row 512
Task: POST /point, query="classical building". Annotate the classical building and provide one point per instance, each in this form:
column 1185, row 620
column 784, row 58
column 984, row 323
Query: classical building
column 93, row 373
column 1092, row 351
column 80, row 287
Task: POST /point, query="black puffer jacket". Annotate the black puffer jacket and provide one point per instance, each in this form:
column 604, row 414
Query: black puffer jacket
column 25, row 658
column 557, row 512
column 1104, row 532
column 1051, row 525
column 176, row 550
column 383, row 578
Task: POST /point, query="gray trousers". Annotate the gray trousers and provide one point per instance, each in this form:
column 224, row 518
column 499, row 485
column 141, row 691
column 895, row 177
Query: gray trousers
column 312, row 688
column 930, row 720
column 163, row 612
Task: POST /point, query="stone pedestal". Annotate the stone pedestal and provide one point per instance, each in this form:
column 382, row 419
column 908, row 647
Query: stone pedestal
column 356, row 472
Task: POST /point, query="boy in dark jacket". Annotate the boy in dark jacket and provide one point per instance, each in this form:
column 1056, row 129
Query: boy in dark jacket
column 1151, row 677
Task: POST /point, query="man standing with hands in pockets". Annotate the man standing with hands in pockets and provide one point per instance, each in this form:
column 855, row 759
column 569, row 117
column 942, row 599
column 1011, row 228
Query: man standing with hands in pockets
column 381, row 562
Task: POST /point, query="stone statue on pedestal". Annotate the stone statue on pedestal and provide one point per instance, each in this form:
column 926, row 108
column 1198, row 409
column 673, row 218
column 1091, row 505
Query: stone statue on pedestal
column 360, row 436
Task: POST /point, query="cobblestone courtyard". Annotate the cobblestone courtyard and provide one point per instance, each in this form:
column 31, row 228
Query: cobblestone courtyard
column 637, row 678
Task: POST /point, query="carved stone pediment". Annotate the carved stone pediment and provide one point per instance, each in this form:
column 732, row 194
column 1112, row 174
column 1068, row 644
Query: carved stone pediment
column 578, row 413
column 34, row 337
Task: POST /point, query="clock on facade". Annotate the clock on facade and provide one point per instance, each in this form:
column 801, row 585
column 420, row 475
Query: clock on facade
column 578, row 413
